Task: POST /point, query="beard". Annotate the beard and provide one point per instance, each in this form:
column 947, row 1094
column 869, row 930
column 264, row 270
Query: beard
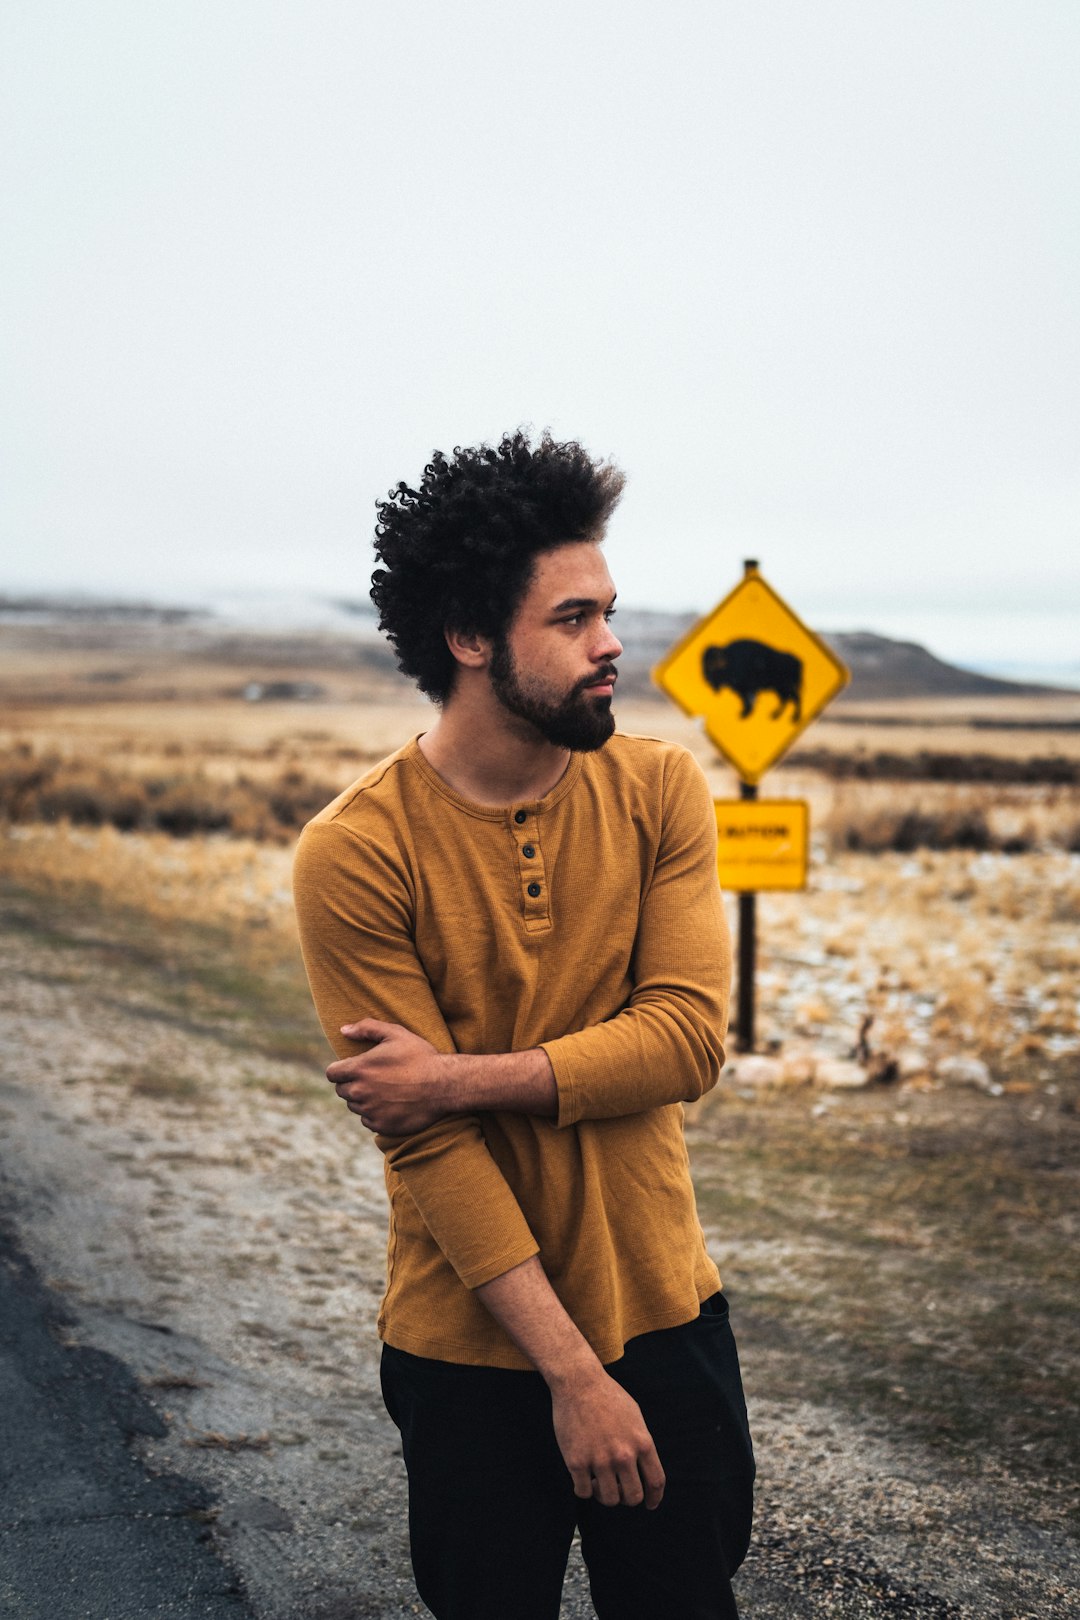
column 578, row 722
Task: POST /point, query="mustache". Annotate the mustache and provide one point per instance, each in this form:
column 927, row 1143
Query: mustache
column 606, row 672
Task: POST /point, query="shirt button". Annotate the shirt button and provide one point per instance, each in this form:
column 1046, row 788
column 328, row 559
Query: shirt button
column 520, row 816
column 528, row 851
column 534, row 889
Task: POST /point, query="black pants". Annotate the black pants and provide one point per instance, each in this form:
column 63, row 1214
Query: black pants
column 491, row 1504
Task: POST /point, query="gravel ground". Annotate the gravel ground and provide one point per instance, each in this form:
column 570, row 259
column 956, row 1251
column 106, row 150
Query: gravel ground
column 211, row 1222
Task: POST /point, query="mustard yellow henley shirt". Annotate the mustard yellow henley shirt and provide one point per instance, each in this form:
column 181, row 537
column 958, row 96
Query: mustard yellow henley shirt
column 588, row 922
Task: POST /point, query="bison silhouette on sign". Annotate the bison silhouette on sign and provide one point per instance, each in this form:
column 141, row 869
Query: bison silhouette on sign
column 749, row 667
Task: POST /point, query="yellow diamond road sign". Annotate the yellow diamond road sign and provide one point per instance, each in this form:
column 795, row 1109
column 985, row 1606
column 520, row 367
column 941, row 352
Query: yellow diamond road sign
column 754, row 672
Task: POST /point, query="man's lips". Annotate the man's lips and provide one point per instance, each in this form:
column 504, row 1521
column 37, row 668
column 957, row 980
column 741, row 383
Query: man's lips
column 604, row 684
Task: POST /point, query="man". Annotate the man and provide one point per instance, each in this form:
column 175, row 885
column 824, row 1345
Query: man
column 515, row 941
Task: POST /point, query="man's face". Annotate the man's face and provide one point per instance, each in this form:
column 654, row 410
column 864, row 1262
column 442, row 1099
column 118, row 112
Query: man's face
column 555, row 667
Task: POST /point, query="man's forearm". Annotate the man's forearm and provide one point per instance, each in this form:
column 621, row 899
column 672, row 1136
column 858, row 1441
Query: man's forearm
column 524, row 1303
column 517, row 1082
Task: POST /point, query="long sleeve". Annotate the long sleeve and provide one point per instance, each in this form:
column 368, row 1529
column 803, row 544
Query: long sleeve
column 353, row 908
column 666, row 1044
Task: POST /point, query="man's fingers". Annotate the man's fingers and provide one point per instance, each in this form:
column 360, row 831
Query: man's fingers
column 606, row 1487
column 652, row 1476
column 640, row 1480
column 354, row 1103
column 369, row 1029
column 351, row 1091
column 348, row 1068
column 342, row 1075
column 583, row 1484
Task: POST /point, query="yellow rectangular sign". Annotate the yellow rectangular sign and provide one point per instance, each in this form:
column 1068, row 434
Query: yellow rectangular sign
column 763, row 843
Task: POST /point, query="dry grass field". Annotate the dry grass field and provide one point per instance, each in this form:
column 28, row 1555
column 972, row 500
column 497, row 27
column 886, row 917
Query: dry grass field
column 889, row 1184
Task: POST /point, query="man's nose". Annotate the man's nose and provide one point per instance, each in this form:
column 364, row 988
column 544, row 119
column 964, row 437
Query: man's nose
column 608, row 647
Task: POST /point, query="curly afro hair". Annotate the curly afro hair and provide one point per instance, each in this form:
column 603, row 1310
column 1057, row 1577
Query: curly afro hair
column 459, row 550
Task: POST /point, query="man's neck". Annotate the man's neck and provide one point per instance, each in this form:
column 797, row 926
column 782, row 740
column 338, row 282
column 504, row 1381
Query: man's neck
column 490, row 756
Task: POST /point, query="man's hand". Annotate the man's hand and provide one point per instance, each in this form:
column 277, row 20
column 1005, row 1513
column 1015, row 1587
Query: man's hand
column 399, row 1086
column 604, row 1442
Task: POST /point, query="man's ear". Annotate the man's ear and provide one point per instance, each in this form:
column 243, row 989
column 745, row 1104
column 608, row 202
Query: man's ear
column 472, row 651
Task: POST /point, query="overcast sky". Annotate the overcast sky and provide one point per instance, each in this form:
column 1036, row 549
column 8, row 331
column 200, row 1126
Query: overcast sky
column 809, row 272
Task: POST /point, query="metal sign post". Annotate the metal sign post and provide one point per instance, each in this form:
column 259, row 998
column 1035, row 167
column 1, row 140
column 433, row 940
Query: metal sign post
column 744, row 1029
column 757, row 676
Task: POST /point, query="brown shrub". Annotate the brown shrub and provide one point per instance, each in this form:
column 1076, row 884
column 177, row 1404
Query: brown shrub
column 907, row 830
column 926, row 765
column 1012, row 819
column 48, row 787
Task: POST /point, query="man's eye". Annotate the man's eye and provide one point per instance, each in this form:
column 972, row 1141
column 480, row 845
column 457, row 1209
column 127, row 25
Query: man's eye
column 609, row 614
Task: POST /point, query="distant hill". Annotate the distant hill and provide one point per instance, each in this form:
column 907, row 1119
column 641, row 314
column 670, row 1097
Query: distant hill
column 317, row 632
column 882, row 668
